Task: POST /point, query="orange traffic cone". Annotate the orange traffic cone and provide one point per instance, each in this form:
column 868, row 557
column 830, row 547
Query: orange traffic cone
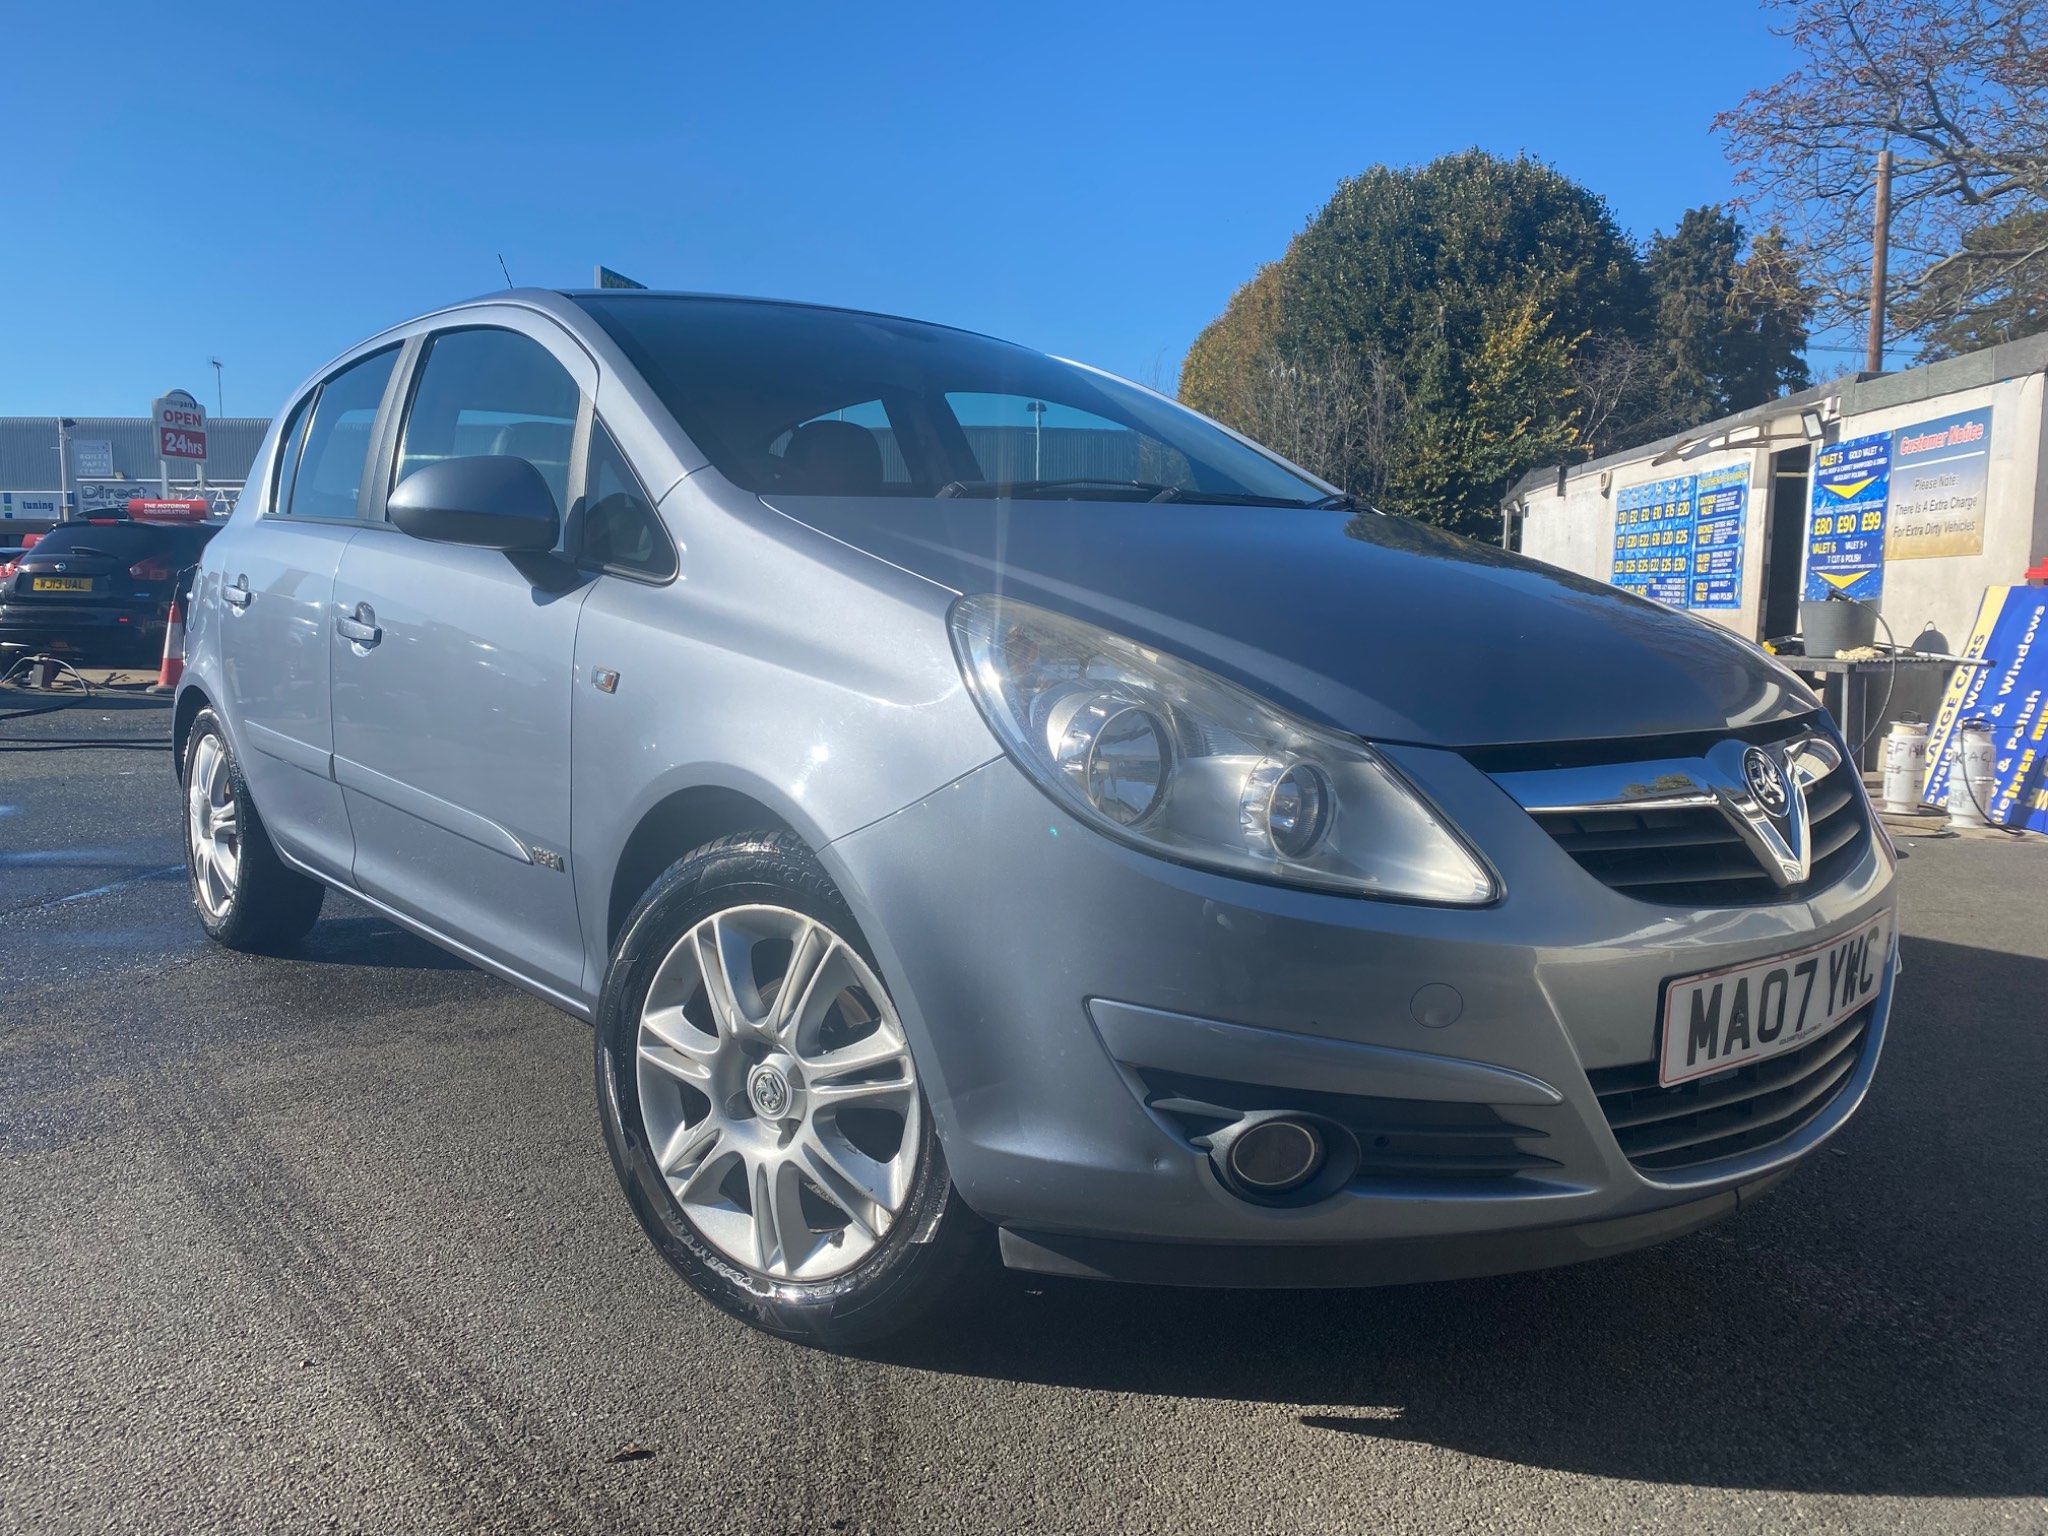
column 173, row 666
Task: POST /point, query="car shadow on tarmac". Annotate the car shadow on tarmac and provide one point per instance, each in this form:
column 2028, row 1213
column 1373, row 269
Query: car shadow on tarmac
column 348, row 935
column 1874, row 1326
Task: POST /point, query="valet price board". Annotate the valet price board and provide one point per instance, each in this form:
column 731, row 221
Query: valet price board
column 1680, row 540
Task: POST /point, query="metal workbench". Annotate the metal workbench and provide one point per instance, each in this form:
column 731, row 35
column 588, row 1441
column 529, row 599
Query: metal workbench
column 1845, row 684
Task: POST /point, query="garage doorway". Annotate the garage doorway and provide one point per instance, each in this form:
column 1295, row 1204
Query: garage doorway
column 1784, row 540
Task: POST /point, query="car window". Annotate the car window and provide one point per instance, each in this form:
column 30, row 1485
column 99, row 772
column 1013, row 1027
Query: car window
column 787, row 398
column 620, row 529
column 330, row 469
column 1023, row 437
column 490, row 393
column 288, row 455
column 847, row 450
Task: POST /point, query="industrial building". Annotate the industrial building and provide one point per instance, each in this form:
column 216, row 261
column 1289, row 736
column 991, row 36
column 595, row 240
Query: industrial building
column 1936, row 471
column 112, row 459
column 1918, row 491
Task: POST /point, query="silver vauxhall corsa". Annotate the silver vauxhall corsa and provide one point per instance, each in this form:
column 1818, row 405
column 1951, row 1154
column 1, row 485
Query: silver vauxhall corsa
column 965, row 790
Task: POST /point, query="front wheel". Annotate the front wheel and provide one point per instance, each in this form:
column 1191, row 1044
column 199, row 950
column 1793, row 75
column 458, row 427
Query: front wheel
column 761, row 1104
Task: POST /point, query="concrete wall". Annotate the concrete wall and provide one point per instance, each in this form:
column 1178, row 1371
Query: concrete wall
column 1931, row 601
column 1936, row 596
column 1576, row 530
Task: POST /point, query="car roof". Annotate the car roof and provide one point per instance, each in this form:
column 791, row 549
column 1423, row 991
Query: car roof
column 635, row 295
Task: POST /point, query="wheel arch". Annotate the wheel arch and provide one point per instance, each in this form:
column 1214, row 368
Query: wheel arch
column 674, row 826
column 191, row 699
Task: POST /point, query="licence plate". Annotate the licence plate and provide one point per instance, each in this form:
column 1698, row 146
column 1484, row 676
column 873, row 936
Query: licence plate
column 61, row 584
column 1748, row 1013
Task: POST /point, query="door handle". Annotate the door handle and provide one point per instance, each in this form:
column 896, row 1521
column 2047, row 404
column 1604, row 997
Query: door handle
column 359, row 628
column 237, row 593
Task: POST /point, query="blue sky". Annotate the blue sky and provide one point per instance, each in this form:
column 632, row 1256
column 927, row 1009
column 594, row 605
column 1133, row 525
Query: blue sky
column 269, row 183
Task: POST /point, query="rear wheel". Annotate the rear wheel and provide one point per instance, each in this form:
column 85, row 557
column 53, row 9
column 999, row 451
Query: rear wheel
column 762, row 1106
column 246, row 897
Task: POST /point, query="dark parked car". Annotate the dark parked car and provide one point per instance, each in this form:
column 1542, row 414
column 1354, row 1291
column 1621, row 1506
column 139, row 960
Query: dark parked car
column 98, row 591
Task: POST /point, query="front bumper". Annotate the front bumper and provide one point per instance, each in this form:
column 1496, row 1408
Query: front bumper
column 1008, row 932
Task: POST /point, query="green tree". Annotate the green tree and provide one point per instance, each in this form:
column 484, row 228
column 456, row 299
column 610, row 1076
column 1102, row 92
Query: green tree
column 1981, row 300
column 1442, row 305
column 1435, row 333
column 1730, row 327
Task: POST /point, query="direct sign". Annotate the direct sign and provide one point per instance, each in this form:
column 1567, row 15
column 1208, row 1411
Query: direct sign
column 180, row 427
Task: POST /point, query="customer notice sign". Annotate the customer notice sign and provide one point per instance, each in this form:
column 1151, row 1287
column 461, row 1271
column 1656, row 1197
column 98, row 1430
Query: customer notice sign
column 1940, row 472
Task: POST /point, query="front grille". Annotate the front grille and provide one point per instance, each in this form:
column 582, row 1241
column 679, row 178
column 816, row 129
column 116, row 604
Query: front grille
column 1741, row 1110
column 1399, row 1140
column 1695, row 856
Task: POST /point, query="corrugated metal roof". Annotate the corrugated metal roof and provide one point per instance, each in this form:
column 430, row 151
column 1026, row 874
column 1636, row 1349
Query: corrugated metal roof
column 28, row 448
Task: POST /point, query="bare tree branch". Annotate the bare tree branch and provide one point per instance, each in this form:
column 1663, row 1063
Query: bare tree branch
column 1958, row 89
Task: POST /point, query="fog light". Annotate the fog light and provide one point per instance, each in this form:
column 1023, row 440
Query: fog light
column 1274, row 1156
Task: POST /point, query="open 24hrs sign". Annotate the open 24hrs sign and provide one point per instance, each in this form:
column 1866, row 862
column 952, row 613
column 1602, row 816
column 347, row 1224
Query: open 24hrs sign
column 180, row 427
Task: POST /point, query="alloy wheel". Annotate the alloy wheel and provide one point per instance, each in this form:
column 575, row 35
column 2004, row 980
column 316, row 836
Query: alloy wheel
column 215, row 827
column 778, row 1092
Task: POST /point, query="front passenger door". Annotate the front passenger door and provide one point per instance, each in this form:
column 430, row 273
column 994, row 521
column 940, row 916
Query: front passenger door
column 452, row 666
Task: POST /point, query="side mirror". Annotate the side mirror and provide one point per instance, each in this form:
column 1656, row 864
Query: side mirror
column 491, row 503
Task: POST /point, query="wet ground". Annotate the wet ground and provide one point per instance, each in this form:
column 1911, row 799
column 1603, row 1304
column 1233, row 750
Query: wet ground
column 330, row 1242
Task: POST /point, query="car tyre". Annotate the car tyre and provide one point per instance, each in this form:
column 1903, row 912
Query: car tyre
column 933, row 1239
column 246, row 897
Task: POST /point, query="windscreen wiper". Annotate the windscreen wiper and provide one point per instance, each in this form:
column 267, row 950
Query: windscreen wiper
column 1153, row 489
column 1235, row 499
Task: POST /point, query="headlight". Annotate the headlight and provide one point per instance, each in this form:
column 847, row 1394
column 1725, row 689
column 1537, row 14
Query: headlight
column 1164, row 756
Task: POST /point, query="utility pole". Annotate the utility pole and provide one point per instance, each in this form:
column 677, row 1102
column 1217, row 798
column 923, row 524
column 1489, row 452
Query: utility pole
column 219, row 405
column 1880, row 239
column 64, row 426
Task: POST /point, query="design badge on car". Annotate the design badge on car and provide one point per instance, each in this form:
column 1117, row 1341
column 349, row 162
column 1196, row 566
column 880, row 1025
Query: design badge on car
column 1766, row 781
column 1767, row 807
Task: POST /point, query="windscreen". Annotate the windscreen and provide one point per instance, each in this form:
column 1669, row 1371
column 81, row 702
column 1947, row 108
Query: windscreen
column 785, row 398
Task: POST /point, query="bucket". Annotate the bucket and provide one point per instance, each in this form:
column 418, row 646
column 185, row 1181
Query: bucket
column 1836, row 624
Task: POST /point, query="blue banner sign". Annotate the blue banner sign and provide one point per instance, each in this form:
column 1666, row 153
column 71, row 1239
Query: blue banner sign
column 1653, row 539
column 1845, row 536
column 1722, row 499
column 2011, row 633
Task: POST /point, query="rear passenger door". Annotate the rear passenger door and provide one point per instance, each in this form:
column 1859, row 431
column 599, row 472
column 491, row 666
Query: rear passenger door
column 277, row 590
column 451, row 667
